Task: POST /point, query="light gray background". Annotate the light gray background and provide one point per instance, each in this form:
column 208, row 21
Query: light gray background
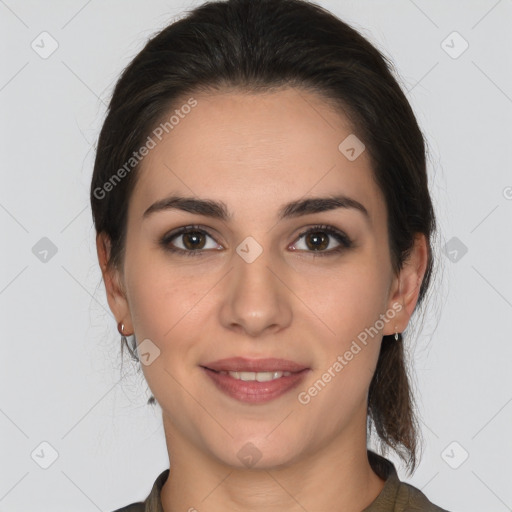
column 61, row 378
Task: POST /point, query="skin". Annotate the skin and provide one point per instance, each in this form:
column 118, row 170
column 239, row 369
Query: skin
column 256, row 152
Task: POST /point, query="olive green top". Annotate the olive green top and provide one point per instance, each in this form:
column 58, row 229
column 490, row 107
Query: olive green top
column 396, row 496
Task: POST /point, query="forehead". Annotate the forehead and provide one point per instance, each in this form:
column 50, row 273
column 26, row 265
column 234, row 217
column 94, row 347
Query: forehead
column 253, row 150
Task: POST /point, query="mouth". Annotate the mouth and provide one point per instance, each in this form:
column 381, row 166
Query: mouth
column 244, row 365
column 255, row 380
column 254, row 376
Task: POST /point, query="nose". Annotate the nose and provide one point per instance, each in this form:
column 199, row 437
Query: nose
column 256, row 299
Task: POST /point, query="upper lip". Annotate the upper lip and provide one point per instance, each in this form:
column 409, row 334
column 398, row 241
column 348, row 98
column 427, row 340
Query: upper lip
column 242, row 364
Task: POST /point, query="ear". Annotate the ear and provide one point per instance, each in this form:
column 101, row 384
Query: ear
column 113, row 279
column 405, row 287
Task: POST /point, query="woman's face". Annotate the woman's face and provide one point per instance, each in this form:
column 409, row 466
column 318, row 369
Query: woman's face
column 253, row 285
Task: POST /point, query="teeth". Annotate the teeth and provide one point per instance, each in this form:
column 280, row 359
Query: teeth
column 258, row 376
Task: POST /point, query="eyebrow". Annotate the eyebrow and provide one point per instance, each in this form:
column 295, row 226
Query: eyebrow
column 219, row 210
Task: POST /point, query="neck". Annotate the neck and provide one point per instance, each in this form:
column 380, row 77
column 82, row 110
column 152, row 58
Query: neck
column 337, row 476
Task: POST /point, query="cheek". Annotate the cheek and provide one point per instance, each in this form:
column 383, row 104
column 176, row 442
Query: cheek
column 168, row 306
column 165, row 308
column 346, row 353
column 161, row 297
column 348, row 304
column 346, row 300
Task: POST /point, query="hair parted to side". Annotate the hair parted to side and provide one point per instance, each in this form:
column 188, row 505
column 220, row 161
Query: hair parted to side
column 256, row 46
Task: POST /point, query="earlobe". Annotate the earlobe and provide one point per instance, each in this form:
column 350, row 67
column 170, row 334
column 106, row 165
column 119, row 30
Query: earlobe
column 408, row 284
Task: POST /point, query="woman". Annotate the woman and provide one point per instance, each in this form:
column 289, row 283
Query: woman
column 264, row 232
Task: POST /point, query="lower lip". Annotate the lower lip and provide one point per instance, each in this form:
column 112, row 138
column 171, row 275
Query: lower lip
column 253, row 391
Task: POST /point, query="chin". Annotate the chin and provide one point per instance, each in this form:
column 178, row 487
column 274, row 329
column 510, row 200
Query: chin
column 258, row 453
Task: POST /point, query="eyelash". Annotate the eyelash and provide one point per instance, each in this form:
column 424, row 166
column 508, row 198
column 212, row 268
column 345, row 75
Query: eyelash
column 344, row 240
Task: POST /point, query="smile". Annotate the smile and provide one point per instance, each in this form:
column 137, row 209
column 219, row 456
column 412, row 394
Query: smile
column 258, row 376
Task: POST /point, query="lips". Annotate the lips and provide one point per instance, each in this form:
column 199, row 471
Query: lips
column 241, row 364
column 252, row 391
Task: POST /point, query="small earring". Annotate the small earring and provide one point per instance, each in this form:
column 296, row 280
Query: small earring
column 120, row 328
column 396, row 336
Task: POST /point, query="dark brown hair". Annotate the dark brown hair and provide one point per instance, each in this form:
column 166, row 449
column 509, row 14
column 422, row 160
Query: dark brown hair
column 259, row 45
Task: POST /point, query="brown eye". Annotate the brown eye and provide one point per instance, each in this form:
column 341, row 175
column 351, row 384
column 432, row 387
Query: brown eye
column 193, row 240
column 189, row 241
column 317, row 240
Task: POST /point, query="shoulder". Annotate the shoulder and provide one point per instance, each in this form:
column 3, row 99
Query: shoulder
column 413, row 500
column 397, row 496
column 152, row 503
